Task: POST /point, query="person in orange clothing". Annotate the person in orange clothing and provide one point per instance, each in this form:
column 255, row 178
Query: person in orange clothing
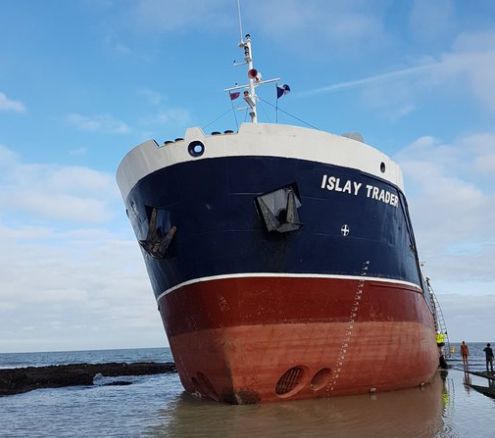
column 464, row 354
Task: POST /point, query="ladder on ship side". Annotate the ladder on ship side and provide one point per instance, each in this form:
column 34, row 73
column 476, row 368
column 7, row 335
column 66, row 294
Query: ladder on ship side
column 440, row 325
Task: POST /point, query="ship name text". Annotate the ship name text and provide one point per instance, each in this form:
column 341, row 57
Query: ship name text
column 336, row 184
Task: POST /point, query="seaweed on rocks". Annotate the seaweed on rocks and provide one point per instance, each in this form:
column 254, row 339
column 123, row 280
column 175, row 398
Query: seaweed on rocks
column 18, row 380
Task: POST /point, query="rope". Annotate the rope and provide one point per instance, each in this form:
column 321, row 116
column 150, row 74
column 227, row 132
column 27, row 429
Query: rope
column 218, row 118
column 277, row 108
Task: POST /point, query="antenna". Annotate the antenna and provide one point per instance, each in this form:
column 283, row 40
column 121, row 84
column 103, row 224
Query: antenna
column 240, row 21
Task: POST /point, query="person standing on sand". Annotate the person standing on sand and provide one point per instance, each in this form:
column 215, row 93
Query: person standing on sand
column 464, row 354
column 489, row 357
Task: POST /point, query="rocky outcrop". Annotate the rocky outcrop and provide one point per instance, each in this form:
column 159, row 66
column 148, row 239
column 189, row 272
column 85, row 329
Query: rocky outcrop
column 17, row 380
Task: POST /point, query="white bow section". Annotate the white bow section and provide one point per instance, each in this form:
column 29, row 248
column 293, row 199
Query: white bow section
column 270, row 140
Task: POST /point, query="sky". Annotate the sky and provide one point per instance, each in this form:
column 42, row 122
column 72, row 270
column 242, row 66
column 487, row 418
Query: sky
column 84, row 81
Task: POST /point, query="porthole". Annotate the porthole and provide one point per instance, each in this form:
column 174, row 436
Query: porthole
column 382, row 167
column 196, row 148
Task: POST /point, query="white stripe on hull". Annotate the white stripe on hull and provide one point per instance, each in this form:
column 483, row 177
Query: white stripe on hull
column 287, row 275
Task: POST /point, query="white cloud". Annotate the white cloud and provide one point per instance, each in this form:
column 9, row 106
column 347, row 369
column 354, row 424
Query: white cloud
column 59, row 206
column 380, row 78
column 480, row 41
column 179, row 117
column 78, row 152
column 7, row 104
column 151, row 96
column 117, row 47
column 78, row 178
column 452, row 205
column 394, row 93
column 98, row 123
column 72, row 273
column 470, row 317
column 483, row 146
column 7, row 156
column 164, row 114
column 344, row 26
column 467, row 67
column 25, row 232
column 75, row 290
column 52, row 191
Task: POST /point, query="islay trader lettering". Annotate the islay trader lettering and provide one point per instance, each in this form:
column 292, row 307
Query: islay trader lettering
column 336, row 184
column 333, row 183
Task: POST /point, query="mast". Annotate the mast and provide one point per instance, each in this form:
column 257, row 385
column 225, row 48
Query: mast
column 254, row 76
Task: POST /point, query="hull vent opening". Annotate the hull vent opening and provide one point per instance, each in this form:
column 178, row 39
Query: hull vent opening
column 320, row 379
column 290, row 381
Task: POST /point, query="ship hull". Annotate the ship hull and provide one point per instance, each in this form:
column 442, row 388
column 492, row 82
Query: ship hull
column 267, row 338
column 283, row 262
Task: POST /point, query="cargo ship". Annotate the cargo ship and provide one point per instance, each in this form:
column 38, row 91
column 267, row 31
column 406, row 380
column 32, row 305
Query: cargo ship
column 282, row 259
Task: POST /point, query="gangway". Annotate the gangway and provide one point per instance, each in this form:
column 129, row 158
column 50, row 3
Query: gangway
column 440, row 325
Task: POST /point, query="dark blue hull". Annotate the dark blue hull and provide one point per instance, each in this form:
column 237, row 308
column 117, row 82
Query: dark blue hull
column 346, row 218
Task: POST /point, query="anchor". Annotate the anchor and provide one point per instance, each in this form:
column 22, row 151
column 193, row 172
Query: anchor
column 285, row 219
column 155, row 244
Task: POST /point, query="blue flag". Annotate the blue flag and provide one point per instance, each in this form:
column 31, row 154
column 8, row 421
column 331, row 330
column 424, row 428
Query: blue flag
column 284, row 89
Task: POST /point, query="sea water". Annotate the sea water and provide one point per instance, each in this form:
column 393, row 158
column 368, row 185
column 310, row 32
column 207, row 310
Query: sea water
column 156, row 406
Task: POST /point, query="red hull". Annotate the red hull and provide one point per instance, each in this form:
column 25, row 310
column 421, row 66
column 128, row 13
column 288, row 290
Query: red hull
column 252, row 339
